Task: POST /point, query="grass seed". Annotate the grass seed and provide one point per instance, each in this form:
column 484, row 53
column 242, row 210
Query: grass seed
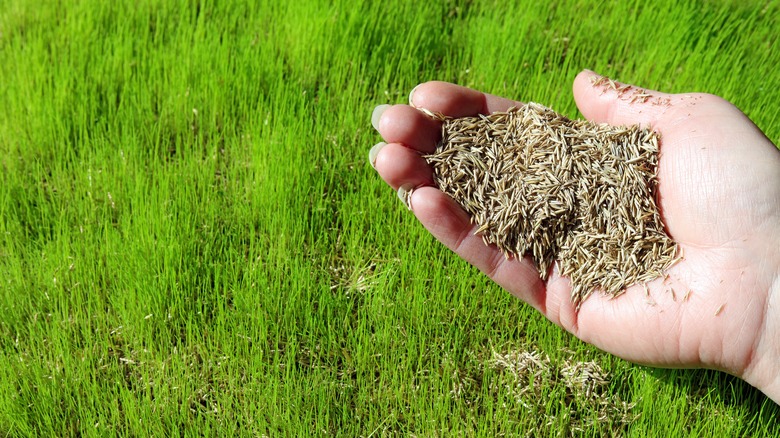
column 538, row 183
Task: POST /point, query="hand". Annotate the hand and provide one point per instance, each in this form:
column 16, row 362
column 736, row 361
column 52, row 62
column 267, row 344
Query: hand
column 719, row 197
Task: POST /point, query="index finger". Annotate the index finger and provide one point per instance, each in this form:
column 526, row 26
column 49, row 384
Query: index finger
column 454, row 100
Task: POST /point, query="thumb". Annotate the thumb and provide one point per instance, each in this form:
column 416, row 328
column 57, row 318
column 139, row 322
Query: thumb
column 603, row 100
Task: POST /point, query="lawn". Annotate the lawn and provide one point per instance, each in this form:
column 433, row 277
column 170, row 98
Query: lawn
column 193, row 242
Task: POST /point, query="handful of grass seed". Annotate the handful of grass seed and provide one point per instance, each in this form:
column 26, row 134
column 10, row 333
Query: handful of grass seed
column 581, row 193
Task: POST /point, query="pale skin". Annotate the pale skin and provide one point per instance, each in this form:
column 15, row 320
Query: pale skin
column 719, row 196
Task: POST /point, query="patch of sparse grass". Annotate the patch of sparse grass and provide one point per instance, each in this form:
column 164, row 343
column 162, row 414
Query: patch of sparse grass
column 193, row 243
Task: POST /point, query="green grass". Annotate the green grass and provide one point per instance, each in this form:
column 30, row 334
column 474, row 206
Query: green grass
column 193, row 243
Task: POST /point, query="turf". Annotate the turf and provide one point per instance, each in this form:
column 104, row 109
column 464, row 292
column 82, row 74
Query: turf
column 193, row 243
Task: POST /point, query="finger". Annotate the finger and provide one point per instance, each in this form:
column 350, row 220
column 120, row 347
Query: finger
column 603, row 100
column 450, row 225
column 403, row 124
column 399, row 165
column 457, row 101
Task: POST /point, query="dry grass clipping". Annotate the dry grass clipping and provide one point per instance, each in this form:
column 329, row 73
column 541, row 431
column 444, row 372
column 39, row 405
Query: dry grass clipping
column 538, row 183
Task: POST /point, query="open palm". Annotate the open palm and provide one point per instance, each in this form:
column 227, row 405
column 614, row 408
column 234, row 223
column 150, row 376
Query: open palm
column 719, row 196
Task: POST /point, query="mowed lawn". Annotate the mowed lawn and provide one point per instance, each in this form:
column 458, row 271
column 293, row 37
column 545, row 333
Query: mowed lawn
column 192, row 241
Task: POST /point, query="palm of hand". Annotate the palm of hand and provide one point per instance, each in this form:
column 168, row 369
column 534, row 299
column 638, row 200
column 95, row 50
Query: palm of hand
column 719, row 204
column 719, row 190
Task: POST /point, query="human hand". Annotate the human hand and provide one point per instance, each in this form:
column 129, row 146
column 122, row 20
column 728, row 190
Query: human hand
column 719, row 197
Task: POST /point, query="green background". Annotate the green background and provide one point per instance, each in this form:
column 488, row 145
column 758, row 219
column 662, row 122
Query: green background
column 193, row 243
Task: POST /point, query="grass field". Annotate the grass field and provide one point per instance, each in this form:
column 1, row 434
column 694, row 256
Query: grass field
column 193, row 242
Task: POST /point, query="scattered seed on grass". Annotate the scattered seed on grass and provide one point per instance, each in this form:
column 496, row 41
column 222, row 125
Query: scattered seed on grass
column 538, row 183
column 526, row 374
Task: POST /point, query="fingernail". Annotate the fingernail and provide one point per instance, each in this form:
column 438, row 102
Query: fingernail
column 377, row 114
column 405, row 195
column 411, row 95
column 374, row 152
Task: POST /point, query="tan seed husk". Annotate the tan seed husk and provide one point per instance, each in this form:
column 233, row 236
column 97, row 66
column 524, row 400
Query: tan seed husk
column 538, row 183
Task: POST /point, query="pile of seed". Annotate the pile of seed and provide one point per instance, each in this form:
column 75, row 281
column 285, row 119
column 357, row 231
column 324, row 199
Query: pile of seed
column 538, row 183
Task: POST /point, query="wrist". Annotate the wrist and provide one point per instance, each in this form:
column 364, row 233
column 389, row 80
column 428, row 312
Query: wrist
column 764, row 371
